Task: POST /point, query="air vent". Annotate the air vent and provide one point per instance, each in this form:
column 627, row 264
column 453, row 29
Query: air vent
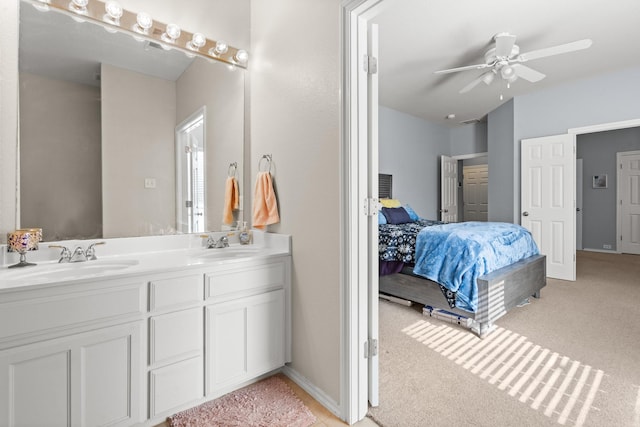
column 469, row 122
column 154, row 45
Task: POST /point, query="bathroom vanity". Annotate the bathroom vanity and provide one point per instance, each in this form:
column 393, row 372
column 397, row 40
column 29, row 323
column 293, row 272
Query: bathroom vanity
column 139, row 335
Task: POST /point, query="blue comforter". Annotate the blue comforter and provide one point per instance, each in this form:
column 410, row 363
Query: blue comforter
column 455, row 255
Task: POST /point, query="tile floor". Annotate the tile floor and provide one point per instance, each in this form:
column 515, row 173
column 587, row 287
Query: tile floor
column 324, row 418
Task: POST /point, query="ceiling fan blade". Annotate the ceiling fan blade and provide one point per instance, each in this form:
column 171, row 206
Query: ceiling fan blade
column 555, row 50
column 465, row 68
column 504, row 44
column 527, row 73
column 473, row 83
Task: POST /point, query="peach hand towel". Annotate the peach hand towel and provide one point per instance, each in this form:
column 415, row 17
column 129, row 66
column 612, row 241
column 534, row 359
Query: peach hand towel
column 231, row 199
column 265, row 205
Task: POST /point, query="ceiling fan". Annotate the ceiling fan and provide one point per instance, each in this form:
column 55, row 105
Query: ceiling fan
column 505, row 61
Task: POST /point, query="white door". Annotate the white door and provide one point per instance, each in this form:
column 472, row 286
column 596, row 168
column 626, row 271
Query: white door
column 579, row 185
column 448, row 189
column 629, row 202
column 372, row 333
column 548, row 200
column 475, row 192
column 190, row 170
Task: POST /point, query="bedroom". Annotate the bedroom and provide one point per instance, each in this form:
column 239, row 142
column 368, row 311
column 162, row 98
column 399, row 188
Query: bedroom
column 552, row 110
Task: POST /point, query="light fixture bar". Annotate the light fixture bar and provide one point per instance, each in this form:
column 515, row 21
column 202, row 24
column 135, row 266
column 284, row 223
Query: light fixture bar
column 127, row 23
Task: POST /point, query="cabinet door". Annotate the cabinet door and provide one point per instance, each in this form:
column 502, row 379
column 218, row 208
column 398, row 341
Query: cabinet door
column 244, row 338
column 265, row 332
column 110, row 367
column 88, row 379
column 225, row 345
column 35, row 386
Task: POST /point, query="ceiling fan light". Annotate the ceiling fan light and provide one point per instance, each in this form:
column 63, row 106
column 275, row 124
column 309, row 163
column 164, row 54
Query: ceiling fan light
column 507, row 72
column 488, row 78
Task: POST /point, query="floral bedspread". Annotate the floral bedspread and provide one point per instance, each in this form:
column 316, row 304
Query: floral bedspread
column 397, row 242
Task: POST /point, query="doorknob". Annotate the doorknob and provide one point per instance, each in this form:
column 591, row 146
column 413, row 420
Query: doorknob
column 525, row 213
column 578, row 209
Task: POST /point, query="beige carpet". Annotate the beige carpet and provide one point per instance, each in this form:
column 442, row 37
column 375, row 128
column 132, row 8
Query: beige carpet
column 569, row 358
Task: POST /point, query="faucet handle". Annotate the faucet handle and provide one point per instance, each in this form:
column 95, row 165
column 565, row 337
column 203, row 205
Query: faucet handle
column 210, row 240
column 91, row 251
column 65, row 255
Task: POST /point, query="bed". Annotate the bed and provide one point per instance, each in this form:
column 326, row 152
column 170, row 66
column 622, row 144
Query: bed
column 496, row 287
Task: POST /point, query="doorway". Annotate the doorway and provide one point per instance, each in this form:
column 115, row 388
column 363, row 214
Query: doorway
column 190, row 173
column 475, row 193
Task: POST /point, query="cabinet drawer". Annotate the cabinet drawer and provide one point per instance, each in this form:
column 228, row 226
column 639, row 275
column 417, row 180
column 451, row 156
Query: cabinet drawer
column 175, row 385
column 76, row 305
column 252, row 278
column 175, row 291
column 175, row 334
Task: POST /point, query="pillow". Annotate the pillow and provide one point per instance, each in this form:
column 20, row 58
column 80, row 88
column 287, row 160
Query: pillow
column 390, row 203
column 396, row 215
column 381, row 218
column 412, row 214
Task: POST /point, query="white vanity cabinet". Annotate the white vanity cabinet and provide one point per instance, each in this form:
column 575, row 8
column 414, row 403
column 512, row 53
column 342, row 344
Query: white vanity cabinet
column 246, row 323
column 176, row 362
column 72, row 355
column 138, row 347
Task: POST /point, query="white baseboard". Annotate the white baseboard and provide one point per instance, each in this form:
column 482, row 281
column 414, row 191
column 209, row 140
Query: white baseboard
column 313, row 391
column 605, row 251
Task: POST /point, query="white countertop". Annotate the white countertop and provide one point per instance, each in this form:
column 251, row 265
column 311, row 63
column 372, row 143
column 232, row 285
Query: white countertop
column 135, row 256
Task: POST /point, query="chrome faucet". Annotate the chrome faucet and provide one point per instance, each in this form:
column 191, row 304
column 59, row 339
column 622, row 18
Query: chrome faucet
column 79, row 254
column 91, row 251
column 222, row 242
column 65, row 255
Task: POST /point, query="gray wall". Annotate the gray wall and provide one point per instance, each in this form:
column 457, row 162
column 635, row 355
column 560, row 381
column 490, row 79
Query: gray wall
column 500, row 131
column 598, row 151
column 60, row 174
column 410, row 150
column 604, row 99
column 471, row 138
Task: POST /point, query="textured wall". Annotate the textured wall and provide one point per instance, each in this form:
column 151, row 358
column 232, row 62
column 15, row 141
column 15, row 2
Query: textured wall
column 295, row 116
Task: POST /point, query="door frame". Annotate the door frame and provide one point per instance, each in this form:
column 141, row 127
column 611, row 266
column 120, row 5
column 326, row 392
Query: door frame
column 355, row 161
column 619, row 156
column 601, row 128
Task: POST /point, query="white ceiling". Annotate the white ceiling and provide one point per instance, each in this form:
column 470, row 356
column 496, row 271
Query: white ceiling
column 418, row 37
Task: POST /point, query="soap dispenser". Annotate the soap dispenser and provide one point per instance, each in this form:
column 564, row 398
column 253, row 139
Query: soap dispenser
column 245, row 234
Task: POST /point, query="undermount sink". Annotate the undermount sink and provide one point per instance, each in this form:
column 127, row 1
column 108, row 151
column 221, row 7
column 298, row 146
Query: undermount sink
column 229, row 252
column 68, row 271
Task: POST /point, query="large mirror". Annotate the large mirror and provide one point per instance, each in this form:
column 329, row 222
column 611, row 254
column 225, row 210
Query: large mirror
column 106, row 121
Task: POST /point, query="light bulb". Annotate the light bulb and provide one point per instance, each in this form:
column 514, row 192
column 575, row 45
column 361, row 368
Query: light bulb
column 42, row 5
column 241, row 56
column 220, row 48
column 114, row 11
column 79, row 6
column 488, row 78
column 143, row 23
column 197, row 41
column 171, row 33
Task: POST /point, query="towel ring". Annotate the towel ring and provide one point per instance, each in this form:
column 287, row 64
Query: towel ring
column 233, row 167
column 266, row 157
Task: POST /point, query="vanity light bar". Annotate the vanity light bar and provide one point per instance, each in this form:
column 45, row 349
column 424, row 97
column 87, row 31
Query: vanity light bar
column 168, row 35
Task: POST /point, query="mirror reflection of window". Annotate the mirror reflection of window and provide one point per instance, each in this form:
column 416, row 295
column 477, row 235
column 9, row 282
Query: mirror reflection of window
column 190, row 141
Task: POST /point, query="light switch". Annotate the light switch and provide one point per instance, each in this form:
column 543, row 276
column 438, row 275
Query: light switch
column 149, row 183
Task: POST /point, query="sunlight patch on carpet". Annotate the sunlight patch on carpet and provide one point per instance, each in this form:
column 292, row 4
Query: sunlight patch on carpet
column 561, row 388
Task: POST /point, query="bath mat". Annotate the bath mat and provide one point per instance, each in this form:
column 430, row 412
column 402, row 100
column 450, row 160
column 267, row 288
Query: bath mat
column 268, row 403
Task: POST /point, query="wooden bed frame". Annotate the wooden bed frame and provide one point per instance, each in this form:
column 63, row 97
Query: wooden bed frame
column 498, row 291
